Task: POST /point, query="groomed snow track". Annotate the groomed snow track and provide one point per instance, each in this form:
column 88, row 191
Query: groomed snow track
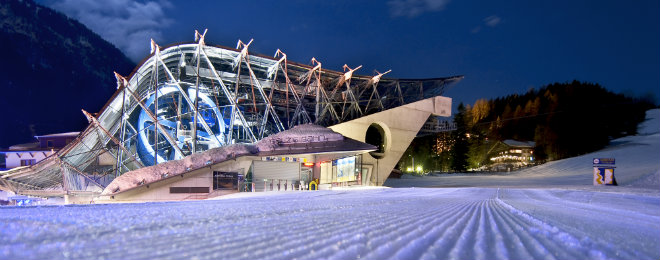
column 449, row 223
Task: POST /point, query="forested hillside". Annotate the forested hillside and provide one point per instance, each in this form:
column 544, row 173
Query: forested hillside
column 562, row 119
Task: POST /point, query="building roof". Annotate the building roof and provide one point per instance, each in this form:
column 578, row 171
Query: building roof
column 67, row 134
column 521, row 144
column 302, row 139
column 24, row 147
column 35, row 146
column 27, row 147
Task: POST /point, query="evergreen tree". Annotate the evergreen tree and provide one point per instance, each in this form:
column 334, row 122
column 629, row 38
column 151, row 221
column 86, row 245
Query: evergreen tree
column 442, row 149
column 461, row 146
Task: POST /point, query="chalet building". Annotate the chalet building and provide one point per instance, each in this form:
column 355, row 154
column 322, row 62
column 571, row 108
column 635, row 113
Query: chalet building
column 31, row 153
column 511, row 154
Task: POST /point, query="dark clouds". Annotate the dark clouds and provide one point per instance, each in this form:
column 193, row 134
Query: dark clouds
column 127, row 24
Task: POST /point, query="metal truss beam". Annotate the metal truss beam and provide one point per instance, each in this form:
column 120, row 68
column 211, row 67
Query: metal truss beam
column 190, row 102
column 353, row 103
column 230, row 98
column 373, row 82
column 95, row 122
column 270, row 110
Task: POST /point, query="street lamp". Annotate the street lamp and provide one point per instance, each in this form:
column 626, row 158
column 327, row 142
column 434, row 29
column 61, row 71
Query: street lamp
column 413, row 162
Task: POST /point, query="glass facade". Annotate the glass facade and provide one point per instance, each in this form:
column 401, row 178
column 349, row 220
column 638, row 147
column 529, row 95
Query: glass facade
column 347, row 169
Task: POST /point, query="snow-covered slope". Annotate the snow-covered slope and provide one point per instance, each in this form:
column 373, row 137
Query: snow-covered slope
column 652, row 123
column 448, row 223
column 637, row 165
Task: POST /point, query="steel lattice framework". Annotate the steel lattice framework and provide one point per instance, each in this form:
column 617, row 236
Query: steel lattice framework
column 189, row 98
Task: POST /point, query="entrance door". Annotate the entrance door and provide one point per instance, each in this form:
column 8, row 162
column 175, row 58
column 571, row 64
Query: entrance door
column 305, row 175
column 271, row 170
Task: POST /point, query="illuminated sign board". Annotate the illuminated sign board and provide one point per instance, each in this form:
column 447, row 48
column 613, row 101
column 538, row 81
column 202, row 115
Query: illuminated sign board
column 604, row 161
column 604, row 171
column 346, row 169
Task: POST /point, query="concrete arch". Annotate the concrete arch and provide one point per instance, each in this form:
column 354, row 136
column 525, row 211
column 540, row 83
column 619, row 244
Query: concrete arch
column 401, row 125
column 386, row 135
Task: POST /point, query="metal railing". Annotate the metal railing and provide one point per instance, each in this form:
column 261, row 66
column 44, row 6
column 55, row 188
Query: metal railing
column 283, row 185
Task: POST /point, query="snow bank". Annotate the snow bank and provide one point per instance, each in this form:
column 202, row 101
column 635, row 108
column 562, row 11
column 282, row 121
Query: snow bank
column 650, row 181
column 652, row 123
column 410, row 176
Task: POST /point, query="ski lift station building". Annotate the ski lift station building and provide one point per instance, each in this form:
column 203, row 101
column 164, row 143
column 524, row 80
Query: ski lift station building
column 193, row 120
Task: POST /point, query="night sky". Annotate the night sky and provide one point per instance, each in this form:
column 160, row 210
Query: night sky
column 502, row 47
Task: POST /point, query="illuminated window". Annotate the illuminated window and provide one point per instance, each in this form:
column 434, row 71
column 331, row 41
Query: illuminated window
column 28, row 162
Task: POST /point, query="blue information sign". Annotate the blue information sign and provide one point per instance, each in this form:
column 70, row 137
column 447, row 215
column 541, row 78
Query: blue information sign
column 604, row 161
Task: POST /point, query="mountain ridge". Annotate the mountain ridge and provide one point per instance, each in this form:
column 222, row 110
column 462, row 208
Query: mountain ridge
column 53, row 66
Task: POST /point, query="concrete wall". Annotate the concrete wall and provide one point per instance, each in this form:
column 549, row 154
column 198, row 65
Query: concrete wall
column 106, row 159
column 13, row 159
column 400, row 125
column 79, row 199
column 57, row 142
column 160, row 191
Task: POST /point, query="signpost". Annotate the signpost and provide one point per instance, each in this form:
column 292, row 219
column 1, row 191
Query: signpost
column 604, row 171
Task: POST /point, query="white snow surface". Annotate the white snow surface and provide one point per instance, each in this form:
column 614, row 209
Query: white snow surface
column 547, row 212
column 404, row 223
column 652, row 123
